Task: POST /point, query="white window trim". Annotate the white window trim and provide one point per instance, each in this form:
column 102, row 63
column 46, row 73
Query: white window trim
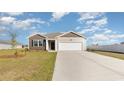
column 33, row 43
column 37, row 42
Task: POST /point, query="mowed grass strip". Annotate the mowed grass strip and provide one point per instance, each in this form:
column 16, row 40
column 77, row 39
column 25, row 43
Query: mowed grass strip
column 36, row 65
column 111, row 54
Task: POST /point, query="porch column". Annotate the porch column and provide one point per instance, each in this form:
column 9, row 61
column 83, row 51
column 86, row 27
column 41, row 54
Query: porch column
column 47, row 48
column 56, row 45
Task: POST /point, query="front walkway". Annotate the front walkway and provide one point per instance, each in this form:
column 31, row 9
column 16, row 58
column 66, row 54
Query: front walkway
column 77, row 65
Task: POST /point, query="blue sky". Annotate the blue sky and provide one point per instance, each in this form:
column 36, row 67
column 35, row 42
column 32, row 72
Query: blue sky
column 101, row 28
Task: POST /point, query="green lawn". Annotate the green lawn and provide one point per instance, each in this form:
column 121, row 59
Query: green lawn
column 111, row 54
column 36, row 65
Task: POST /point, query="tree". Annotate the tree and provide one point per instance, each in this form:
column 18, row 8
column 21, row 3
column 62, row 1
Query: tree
column 13, row 35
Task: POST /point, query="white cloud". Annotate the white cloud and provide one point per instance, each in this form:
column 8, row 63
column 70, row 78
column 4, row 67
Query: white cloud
column 107, row 31
column 77, row 28
column 89, row 29
column 27, row 22
column 89, row 22
column 12, row 21
column 105, row 37
column 34, row 20
column 38, row 32
column 58, row 15
column 99, row 22
column 21, row 24
column 94, row 22
column 116, row 36
column 99, row 37
column 7, row 20
column 89, row 15
column 14, row 13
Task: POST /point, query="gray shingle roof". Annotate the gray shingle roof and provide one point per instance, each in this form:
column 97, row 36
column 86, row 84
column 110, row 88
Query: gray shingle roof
column 53, row 35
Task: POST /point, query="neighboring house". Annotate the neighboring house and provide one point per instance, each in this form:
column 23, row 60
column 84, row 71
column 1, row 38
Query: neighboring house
column 24, row 46
column 7, row 45
column 57, row 41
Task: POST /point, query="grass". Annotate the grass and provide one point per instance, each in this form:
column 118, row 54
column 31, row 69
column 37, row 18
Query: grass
column 111, row 54
column 36, row 65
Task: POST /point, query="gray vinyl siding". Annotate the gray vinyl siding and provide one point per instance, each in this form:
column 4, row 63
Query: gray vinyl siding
column 36, row 37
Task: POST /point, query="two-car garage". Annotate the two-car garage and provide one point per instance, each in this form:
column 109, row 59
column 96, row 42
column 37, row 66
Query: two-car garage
column 71, row 41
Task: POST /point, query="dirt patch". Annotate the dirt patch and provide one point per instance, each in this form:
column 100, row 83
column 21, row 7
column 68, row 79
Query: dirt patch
column 11, row 56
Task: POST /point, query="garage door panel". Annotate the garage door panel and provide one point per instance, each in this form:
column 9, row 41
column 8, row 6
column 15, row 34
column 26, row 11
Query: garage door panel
column 69, row 46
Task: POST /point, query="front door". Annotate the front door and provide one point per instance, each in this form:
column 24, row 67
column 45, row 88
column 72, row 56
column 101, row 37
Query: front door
column 52, row 45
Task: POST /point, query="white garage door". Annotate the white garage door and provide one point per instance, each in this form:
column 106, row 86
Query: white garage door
column 69, row 46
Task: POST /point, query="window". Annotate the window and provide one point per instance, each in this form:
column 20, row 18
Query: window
column 40, row 42
column 37, row 43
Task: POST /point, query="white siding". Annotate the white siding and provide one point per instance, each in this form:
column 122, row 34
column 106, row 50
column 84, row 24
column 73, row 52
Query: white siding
column 84, row 45
column 70, row 39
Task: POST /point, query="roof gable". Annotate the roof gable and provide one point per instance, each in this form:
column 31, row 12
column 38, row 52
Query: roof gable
column 36, row 36
column 71, row 34
column 53, row 35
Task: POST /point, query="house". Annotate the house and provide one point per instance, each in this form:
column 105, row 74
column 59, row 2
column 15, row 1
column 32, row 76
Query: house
column 7, row 45
column 57, row 41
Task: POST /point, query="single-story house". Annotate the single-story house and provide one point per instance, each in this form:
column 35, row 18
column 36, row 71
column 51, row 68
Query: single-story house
column 7, row 45
column 57, row 41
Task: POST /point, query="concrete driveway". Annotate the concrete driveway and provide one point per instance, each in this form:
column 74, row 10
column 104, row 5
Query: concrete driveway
column 78, row 65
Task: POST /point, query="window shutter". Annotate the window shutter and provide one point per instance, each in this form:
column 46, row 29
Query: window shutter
column 32, row 43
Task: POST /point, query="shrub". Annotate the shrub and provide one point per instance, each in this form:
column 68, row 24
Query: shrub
column 16, row 53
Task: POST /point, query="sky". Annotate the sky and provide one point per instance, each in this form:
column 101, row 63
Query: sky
column 98, row 27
